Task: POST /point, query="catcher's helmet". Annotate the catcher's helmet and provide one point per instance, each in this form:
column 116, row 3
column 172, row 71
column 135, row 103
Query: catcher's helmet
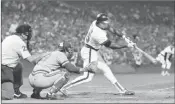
column 65, row 47
column 25, row 29
column 102, row 17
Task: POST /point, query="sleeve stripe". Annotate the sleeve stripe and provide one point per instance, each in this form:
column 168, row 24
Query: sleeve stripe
column 105, row 42
column 65, row 62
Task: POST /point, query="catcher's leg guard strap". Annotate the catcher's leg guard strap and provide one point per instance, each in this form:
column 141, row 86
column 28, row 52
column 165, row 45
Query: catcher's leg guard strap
column 59, row 83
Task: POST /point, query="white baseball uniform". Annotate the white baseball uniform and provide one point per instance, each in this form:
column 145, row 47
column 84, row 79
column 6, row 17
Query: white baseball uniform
column 164, row 57
column 89, row 53
column 93, row 41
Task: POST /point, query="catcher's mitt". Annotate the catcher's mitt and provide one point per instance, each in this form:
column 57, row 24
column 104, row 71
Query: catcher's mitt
column 91, row 67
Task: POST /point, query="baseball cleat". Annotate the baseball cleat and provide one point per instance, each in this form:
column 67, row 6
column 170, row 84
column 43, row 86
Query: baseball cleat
column 51, row 96
column 64, row 92
column 36, row 96
column 20, row 96
column 126, row 92
column 129, row 93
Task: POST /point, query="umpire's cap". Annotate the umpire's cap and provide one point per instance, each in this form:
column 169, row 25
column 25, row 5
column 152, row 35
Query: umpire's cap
column 23, row 28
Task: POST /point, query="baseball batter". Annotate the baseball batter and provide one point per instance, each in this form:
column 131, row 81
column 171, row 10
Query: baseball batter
column 95, row 38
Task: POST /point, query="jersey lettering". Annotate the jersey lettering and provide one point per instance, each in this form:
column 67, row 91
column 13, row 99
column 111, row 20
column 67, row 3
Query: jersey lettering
column 88, row 36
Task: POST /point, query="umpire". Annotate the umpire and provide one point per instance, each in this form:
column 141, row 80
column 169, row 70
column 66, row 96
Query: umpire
column 13, row 48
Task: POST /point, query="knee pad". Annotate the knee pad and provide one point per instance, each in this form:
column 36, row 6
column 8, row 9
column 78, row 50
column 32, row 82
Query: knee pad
column 7, row 91
column 60, row 82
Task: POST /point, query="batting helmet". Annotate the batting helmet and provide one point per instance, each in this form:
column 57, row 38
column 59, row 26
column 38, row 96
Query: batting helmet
column 102, row 17
column 25, row 29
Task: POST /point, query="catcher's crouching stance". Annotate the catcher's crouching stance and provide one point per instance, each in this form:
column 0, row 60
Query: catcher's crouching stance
column 53, row 71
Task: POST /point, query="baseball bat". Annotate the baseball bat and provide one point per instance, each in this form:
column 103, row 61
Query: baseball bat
column 152, row 59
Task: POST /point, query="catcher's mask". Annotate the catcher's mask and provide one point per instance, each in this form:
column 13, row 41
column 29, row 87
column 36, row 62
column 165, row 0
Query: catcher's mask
column 66, row 48
column 26, row 30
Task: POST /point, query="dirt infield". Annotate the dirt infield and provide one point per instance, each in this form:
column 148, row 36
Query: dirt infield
column 149, row 88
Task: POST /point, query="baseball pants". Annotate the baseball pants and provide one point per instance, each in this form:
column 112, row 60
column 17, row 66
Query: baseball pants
column 11, row 80
column 166, row 64
column 43, row 79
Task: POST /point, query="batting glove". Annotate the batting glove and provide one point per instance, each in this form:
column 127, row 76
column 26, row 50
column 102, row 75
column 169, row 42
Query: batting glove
column 131, row 45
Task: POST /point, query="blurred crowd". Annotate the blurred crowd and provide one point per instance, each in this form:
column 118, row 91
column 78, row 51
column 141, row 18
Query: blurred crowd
column 54, row 21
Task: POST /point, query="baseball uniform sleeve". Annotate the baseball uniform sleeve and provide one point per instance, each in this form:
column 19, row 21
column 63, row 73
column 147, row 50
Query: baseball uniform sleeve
column 62, row 59
column 23, row 51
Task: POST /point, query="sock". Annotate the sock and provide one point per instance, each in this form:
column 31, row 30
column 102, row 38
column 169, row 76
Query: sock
column 119, row 87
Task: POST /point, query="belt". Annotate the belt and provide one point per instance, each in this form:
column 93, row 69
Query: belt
column 7, row 66
column 39, row 71
column 88, row 46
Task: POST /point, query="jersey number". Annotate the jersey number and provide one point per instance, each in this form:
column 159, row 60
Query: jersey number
column 24, row 48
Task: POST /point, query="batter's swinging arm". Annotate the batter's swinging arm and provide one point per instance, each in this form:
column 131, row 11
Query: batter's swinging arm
column 152, row 59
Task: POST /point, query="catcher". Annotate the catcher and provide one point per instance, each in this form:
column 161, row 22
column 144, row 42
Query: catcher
column 53, row 71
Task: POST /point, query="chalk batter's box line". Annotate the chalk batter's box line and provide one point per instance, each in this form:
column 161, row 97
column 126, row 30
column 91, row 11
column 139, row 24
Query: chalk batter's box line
column 162, row 89
column 151, row 84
